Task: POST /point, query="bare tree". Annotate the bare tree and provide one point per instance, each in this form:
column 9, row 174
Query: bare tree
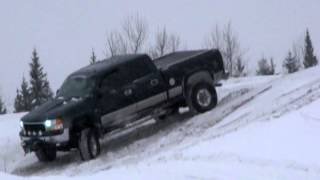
column 164, row 43
column 130, row 39
column 93, row 57
column 174, row 43
column 215, row 39
column 3, row 109
column 161, row 44
column 265, row 68
column 272, row 67
column 116, row 44
column 239, row 68
column 298, row 52
column 227, row 42
column 232, row 51
column 135, row 31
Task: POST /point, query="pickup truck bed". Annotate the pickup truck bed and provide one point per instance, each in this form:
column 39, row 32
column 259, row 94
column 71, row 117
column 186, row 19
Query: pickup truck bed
column 178, row 64
column 166, row 61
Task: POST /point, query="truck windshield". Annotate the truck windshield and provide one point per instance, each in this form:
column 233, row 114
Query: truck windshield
column 76, row 86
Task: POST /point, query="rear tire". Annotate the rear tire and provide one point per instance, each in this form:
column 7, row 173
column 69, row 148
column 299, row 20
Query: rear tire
column 201, row 97
column 46, row 154
column 89, row 145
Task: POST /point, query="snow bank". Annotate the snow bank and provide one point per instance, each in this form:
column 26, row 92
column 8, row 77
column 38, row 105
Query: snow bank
column 11, row 151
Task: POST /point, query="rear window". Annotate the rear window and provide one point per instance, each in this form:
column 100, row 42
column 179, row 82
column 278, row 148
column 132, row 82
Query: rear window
column 127, row 73
column 139, row 68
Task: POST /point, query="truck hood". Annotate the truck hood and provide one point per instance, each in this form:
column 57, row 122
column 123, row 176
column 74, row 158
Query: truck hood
column 53, row 109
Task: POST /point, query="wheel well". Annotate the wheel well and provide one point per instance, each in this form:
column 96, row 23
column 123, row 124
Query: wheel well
column 196, row 77
column 78, row 124
column 82, row 122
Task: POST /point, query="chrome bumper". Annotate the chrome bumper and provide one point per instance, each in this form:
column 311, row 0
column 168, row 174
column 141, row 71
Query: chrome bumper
column 54, row 139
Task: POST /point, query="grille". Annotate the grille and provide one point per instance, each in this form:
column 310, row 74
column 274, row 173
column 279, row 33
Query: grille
column 34, row 127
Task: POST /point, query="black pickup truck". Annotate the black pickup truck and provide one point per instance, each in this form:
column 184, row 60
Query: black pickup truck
column 112, row 93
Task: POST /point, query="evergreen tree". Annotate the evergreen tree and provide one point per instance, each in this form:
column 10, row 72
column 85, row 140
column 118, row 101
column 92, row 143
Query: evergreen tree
column 40, row 89
column 18, row 102
column 23, row 99
column 3, row 109
column 291, row 63
column 93, row 58
column 309, row 58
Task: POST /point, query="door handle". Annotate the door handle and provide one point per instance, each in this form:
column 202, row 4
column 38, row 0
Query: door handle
column 154, row 82
column 128, row 92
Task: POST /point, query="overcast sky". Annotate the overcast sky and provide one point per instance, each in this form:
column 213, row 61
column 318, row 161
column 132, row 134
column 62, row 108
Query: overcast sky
column 64, row 32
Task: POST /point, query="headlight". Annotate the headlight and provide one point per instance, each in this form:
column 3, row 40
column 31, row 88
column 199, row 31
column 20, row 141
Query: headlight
column 21, row 124
column 55, row 124
column 48, row 123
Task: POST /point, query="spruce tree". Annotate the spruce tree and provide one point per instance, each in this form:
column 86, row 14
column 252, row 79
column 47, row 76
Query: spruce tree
column 3, row 109
column 39, row 85
column 22, row 102
column 93, row 58
column 291, row 63
column 309, row 58
column 18, row 102
column 26, row 95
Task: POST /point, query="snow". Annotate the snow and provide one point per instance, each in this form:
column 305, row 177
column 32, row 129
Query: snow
column 288, row 141
column 263, row 128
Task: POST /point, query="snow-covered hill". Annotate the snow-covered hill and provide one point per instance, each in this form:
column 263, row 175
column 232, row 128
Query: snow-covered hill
column 263, row 128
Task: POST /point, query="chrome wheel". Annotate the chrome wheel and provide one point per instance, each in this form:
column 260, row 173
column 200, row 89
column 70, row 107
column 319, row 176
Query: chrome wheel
column 94, row 146
column 204, row 97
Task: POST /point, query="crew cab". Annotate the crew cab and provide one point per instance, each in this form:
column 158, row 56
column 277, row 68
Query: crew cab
column 115, row 92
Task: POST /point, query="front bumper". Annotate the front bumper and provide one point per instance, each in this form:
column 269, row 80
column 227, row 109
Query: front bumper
column 32, row 143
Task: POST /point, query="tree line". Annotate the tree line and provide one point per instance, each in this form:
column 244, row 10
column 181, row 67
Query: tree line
column 298, row 57
column 133, row 37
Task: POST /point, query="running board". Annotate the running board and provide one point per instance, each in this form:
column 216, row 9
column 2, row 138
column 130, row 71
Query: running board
column 131, row 125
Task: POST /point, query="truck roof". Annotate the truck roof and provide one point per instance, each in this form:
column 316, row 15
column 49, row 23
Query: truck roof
column 103, row 66
column 168, row 60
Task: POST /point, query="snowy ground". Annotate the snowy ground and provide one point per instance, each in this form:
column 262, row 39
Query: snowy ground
column 263, row 128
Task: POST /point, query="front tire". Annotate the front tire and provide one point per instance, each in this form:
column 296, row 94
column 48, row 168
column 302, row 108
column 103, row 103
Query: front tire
column 89, row 145
column 202, row 97
column 46, row 154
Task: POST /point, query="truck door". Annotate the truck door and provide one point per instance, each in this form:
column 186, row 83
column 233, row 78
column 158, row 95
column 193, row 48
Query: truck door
column 151, row 90
column 150, row 87
column 116, row 98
